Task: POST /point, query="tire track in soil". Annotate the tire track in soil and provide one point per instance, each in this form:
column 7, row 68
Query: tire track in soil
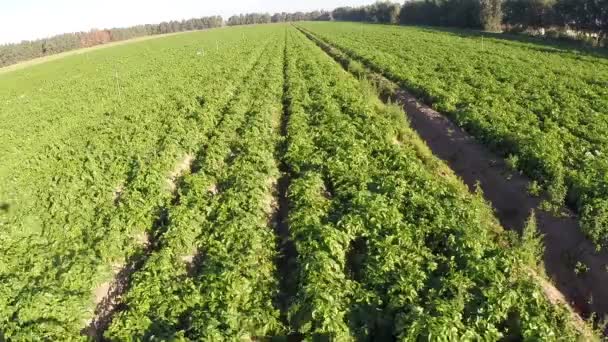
column 110, row 304
column 564, row 242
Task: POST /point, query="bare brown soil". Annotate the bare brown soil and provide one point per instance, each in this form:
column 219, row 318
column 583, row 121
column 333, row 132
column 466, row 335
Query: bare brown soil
column 557, row 298
column 213, row 189
column 142, row 239
column 271, row 200
column 188, row 259
column 107, row 297
column 179, row 170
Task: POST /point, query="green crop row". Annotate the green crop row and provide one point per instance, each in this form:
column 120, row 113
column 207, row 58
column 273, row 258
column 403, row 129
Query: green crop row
column 88, row 180
column 542, row 107
column 213, row 277
column 389, row 243
column 322, row 296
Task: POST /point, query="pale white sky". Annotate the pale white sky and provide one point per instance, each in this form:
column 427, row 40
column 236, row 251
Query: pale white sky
column 32, row 19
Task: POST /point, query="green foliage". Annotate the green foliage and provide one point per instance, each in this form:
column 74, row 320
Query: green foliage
column 99, row 135
column 357, row 69
column 394, row 112
column 387, row 245
column 595, row 221
column 512, row 162
column 534, row 188
column 229, row 291
column 531, row 248
column 543, row 107
column 379, row 12
column 580, row 268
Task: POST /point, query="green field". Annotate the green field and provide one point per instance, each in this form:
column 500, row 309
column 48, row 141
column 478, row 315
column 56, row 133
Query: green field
column 246, row 187
column 543, row 107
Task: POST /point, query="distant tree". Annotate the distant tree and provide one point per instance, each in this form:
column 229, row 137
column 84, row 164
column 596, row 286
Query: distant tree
column 164, row 28
column 457, row 13
column 325, row 16
column 264, row 18
column 529, row 13
column 174, row 26
column 277, row 18
column 350, row 14
column 584, row 15
column 461, row 13
column 384, row 12
column 420, row 12
column 491, row 14
column 380, row 12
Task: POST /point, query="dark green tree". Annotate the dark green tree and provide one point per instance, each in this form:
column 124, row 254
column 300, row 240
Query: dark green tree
column 490, row 13
column 529, row 13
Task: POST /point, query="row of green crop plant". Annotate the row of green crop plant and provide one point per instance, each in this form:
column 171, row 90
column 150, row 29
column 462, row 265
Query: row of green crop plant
column 213, row 277
column 94, row 139
column 322, row 289
column 389, row 243
column 543, row 108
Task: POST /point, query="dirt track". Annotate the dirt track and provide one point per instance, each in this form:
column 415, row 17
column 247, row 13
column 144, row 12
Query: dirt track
column 508, row 193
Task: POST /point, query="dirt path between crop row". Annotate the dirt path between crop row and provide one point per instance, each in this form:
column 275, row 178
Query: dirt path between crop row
column 586, row 290
column 286, row 261
column 565, row 244
column 108, row 296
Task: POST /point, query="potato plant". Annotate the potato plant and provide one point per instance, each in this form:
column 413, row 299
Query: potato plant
column 172, row 165
column 388, row 245
column 544, row 107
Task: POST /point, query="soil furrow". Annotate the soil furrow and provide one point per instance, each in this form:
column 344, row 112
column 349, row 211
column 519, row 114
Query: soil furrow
column 107, row 305
column 286, row 262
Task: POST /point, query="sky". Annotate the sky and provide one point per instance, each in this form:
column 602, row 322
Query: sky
column 33, row 19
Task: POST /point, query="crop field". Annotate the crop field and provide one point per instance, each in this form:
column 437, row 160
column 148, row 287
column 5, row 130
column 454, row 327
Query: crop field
column 542, row 107
column 239, row 184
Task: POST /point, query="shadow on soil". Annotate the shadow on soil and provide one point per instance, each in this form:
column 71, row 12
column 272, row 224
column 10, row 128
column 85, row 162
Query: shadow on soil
column 111, row 303
column 286, row 261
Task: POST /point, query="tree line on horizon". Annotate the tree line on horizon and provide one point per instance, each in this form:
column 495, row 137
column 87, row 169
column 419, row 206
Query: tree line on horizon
column 26, row 50
column 588, row 17
column 584, row 16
